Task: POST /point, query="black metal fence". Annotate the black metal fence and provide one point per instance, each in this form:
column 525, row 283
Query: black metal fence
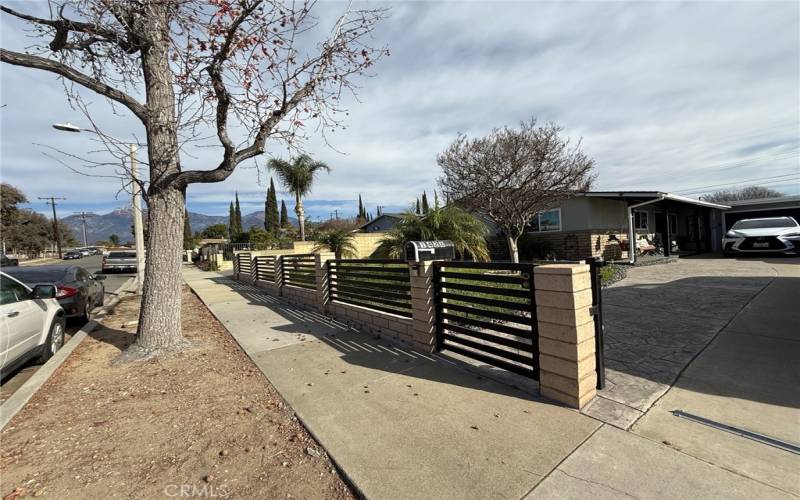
column 595, row 266
column 265, row 267
column 380, row 284
column 228, row 249
column 299, row 270
column 243, row 264
column 487, row 312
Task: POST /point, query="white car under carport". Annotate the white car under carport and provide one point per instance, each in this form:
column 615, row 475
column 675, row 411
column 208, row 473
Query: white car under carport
column 778, row 235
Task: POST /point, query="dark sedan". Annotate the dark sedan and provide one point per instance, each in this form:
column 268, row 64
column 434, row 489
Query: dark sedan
column 72, row 254
column 78, row 291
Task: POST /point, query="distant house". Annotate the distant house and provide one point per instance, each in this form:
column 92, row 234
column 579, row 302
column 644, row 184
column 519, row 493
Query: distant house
column 602, row 223
column 381, row 223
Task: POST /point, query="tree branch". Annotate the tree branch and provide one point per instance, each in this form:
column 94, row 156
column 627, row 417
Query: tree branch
column 41, row 63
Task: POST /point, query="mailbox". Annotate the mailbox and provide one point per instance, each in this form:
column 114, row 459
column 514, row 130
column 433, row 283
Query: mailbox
column 418, row 251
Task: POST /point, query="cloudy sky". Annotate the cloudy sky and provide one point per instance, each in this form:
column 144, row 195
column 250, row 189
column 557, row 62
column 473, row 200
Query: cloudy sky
column 679, row 97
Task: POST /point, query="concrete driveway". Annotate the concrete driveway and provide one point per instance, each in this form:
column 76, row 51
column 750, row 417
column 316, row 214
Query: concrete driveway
column 661, row 317
column 715, row 338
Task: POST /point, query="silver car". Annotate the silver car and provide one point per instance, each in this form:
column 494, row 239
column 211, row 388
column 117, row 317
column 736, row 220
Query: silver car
column 770, row 235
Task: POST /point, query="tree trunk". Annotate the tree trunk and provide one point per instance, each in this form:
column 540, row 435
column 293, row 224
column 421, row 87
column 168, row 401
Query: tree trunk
column 298, row 209
column 160, row 314
column 159, row 325
column 512, row 248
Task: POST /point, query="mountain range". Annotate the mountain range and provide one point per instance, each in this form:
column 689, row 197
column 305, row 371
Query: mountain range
column 120, row 222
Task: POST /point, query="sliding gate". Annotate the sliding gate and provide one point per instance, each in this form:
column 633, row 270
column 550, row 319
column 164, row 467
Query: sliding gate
column 486, row 311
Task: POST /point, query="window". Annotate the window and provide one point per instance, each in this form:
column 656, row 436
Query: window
column 11, row 291
column 546, row 221
column 640, row 220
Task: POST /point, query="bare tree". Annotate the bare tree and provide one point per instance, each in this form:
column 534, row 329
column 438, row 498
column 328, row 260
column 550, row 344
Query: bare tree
column 512, row 174
column 250, row 70
column 746, row 193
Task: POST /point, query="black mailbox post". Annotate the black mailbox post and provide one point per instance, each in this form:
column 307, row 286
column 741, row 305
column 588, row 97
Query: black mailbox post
column 419, row 251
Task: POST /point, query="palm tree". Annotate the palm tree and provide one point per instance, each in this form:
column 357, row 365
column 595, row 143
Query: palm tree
column 338, row 241
column 297, row 177
column 466, row 231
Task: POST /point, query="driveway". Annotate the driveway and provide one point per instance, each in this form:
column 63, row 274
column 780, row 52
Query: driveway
column 659, row 318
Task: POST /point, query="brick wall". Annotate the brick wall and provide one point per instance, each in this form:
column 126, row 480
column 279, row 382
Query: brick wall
column 577, row 245
column 298, row 295
column 374, row 322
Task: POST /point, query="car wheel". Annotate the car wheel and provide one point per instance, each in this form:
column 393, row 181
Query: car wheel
column 55, row 339
column 87, row 307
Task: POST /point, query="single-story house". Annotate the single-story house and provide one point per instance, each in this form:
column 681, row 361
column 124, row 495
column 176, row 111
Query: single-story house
column 602, row 223
column 381, row 223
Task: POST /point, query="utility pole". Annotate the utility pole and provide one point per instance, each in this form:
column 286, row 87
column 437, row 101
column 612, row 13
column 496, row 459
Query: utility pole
column 83, row 221
column 51, row 200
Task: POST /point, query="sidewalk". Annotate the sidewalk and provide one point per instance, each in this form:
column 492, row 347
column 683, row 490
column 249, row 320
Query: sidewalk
column 402, row 424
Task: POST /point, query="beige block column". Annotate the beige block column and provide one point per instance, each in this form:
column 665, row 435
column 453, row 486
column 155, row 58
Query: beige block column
column 423, row 313
column 566, row 333
column 321, row 266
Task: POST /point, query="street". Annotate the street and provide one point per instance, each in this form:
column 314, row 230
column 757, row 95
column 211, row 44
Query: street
column 14, row 380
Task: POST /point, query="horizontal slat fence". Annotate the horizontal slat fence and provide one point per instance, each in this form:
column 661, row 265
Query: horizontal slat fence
column 265, row 268
column 244, row 264
column 380, row 284
column 485, row 311
column 300, row 270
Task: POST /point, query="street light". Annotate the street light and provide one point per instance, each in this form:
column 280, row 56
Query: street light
column 138, row 227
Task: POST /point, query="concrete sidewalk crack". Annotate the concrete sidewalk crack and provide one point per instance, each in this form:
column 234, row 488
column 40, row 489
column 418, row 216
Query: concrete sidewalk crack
column 598, row 484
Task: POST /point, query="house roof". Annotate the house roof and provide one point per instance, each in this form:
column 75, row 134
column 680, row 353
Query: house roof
column 389, row 215
column 652, row 195
column 763, row 201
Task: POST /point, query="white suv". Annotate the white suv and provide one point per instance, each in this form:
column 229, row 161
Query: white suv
column 31, row 323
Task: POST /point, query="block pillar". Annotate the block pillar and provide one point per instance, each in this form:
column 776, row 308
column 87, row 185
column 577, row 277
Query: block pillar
column 566, row 333
column 423, row 308
column 321, row 267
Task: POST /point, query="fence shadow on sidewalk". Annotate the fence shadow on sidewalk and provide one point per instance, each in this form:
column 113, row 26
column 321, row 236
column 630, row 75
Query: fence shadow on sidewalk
column 374, row 352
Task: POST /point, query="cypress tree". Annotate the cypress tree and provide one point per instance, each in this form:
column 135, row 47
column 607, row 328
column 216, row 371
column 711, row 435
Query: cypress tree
column 232, row 224
column 271, row 217
column 187, row 232
column 284, row 216
column 238, row 216
column 425, row 206
column 361, row 212
column 419, row 210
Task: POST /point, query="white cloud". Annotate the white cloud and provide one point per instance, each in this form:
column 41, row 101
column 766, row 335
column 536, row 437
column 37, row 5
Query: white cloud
column 665, row 95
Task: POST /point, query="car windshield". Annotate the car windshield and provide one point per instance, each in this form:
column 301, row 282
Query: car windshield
column 29, row 275
column 122, row 255
column 764, row 223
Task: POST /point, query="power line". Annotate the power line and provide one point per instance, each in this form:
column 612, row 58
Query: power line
column 738, row 182
column 776, row 182
column 51, row 200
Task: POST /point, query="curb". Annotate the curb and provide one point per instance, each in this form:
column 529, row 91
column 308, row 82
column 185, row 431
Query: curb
column 21, row 396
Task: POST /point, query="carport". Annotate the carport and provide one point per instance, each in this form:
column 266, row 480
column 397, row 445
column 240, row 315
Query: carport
column 788, row 206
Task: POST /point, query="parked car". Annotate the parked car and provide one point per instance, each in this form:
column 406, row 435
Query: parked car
column 85, row 252
column 119, row 260
column 5, row 260
column 31, row 323
column 77, row 290
column 72, row 254
column 768, row 235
